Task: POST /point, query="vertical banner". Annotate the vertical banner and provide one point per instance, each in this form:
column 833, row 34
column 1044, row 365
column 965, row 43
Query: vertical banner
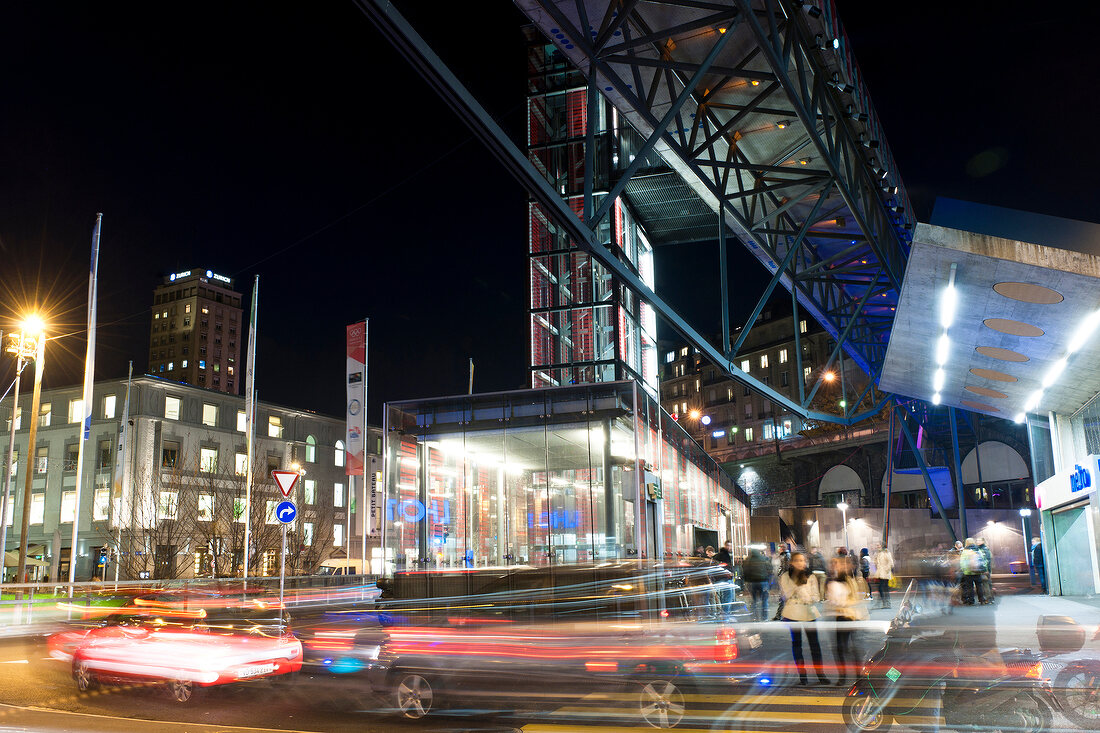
column 119, row 499
column 86, row 402
column 356, row 398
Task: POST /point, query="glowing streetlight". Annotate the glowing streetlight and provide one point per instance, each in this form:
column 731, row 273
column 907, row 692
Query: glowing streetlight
column 843, row 507
column 828, row 376
column 694, row 414
column 31, row 343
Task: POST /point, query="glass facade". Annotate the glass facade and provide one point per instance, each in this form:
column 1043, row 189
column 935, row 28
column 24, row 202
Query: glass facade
column 585, row 326
column 561, row 475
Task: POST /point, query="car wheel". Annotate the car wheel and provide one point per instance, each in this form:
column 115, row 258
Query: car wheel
column 413, row 695
column 181, row 690
column 661, row 702
column 85, row 679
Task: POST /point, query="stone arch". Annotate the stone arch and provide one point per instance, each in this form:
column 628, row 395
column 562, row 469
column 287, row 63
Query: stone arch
column 841, row 479
column 1000, row 462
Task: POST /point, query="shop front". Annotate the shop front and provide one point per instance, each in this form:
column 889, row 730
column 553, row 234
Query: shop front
column 1070, row 513
column 562, row 475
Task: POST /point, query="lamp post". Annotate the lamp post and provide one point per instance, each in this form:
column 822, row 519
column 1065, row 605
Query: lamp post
column 843, row 507
column 34, row 329
column 1025, row 520
column 24, row 348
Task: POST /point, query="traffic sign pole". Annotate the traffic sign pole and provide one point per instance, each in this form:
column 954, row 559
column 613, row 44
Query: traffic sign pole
column 282, row 580
column 285, row 512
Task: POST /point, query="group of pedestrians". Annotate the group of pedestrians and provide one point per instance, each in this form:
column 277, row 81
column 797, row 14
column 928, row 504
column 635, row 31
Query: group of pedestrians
column 810, row 587
column 972, row 563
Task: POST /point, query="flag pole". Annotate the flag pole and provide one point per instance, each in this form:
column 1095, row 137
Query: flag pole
column 86, row 407
column 249, row 418
column 120, row 467
column 368, row 515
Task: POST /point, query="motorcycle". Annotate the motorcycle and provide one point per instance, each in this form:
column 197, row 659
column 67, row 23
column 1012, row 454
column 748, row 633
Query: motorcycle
column 946, row 670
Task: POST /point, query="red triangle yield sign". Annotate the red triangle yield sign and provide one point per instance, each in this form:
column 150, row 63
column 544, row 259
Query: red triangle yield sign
column 285, row 480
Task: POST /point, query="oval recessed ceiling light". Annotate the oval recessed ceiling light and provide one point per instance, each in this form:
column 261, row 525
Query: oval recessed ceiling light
column 1013, row 328
column 1029, row 293
column 983, row 407
column 993, row 374
column 994, row 352
column 986, row 392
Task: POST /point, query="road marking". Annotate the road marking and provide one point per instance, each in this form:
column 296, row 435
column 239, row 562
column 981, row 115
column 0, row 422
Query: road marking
column 214, row 726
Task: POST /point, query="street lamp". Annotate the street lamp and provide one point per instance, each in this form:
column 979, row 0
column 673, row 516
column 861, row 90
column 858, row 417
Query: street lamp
column 1025, row 515
column 29, row 343
column 24, row 347
column 843, row 507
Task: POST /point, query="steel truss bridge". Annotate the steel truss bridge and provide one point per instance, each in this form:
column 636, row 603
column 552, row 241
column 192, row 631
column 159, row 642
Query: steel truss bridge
column 759, row 109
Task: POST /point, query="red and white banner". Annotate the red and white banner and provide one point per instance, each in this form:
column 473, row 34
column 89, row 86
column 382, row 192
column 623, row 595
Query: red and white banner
column 356, row 399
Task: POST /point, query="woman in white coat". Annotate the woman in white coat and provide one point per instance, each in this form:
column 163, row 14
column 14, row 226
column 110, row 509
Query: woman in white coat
column 800, row 597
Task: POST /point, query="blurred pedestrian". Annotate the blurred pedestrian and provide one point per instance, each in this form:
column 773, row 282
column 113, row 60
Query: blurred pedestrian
column 724, row 558
column 986, row 588
column 757, row 573
column 800, row 611
column 817, row 567
column 865, row 571
column 845, row 603
column 884, row 573
column 1038, row 562
column 970, row 567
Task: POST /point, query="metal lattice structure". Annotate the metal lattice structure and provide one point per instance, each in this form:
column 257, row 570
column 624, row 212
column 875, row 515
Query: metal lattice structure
column 760, row 110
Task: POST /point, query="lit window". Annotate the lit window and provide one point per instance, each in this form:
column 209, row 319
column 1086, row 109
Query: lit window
column 109, row 407
column 171, row 408
column 205, row 311
column 202, row 363
column 769, row 431
column 206, row 508
column 806, row 373
column 164, row 314
column 269, row 515
column 45, row 411
column 76, row 411
column 68, row 507
column 238, row 511
column 802, row 326
column 242, row 423
column 338, row 495
column 187, row 308
column 100, row 504
column 156, row 316
column 670, row 357
column 38, row 508
column 274, row 427
column 217, row 366
column 782, row 356
column 310, row 490
column 785, row 430
column 745, row 366
column 168, row 505
column 183, row 364
column 764, row 361
column 684, row 407
column 307, row 534
column 41, row 459
column 162, row 367
column 684, row 351
column 240, row 464
column 210, row 415
column 208, row 460
column 311, row 449
column 339, row 457
column 748, row 435
column 338, row 535
column 230, row 369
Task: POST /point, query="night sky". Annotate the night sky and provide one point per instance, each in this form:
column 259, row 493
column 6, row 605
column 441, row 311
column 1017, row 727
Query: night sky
column 295, row 143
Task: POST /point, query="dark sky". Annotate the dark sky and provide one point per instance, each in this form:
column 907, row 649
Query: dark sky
column 295, row 143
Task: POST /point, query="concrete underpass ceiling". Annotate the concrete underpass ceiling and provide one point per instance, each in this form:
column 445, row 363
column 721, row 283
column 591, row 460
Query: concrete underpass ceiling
column 1019, row 305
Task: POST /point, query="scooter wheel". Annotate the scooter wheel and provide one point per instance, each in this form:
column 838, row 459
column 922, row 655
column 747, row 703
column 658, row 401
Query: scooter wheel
column 860, row 712
column 1079, row 688
column 1029, row 715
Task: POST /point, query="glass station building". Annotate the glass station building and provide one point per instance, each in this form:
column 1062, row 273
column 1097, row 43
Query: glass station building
column 559, row 475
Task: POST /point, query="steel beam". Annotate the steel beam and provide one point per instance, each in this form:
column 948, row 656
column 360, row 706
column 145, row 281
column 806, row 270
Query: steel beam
column 924, row 472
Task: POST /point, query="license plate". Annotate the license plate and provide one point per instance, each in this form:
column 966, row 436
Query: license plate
column 255, row 670
column 755, row 641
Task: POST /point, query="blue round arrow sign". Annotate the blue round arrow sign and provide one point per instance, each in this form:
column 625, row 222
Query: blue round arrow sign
column 286, row 511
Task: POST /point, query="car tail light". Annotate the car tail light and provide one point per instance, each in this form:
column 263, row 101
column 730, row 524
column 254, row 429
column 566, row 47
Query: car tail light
column 725, row 647
column 601, row 666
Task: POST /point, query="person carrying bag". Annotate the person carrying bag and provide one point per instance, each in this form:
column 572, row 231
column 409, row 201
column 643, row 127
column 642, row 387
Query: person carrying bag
column 800, row 597
column 844, row 601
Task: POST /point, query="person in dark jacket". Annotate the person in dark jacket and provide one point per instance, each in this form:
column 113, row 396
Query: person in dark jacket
column 757, row 573
column 1038, row 563
column 724, row 557
column 818, row 568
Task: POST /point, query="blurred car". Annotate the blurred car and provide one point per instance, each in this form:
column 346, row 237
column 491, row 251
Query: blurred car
column 499, row 637
column 184, row 648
